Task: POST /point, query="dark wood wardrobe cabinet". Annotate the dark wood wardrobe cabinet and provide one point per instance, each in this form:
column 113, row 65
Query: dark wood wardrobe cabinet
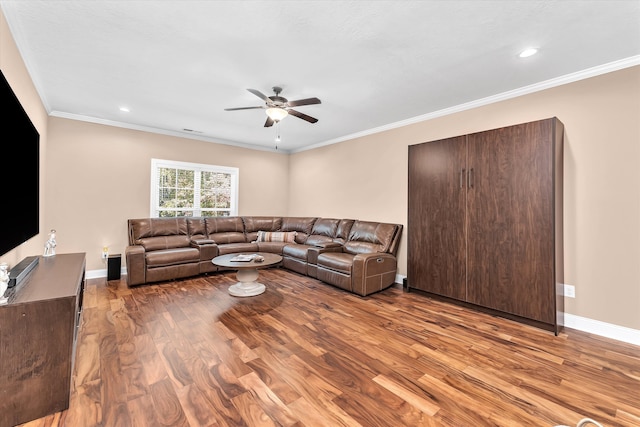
column 485, row 221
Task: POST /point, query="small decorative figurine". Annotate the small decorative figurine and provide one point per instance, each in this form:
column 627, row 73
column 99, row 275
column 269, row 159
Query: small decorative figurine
column 50, row 246
column 4, row 282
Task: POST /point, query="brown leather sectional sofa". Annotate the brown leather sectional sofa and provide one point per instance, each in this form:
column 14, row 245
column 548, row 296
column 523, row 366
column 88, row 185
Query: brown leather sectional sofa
column 357, row 256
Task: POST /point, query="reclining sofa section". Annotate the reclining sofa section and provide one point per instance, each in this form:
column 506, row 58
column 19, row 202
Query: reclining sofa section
column 357, row 256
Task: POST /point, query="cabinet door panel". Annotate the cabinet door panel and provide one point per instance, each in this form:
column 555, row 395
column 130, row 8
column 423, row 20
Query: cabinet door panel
column 436, row 217
column 510, row 220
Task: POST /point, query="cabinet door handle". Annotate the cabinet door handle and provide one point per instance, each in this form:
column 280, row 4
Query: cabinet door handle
column 470, row 178
column 461, row 178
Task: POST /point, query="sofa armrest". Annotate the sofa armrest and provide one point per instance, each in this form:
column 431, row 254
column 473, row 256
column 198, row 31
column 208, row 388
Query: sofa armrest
column 328, row 245
column 314, row 251
column 207, row 247
column 136, row 265
column 199, row 242
column 373, row 272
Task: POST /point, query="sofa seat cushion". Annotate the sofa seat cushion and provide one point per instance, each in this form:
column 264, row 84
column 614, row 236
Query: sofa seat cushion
column 338, row 261
column 237, row 247
column 296, row 251
column 172, row 257
column 272, row 247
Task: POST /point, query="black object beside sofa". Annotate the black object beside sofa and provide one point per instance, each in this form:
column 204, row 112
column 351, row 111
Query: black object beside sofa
column 354, row 255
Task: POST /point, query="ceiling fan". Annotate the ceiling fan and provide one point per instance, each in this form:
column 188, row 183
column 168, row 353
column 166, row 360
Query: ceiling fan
column 277, row 107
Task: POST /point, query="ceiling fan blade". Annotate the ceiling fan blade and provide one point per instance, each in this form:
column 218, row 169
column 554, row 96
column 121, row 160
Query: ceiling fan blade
column 269, row 122
column 307, row 101
column 241, row 108
column 260, row 95
column 302, row 116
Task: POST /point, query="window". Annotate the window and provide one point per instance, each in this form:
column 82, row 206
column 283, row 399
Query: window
column 191, row 189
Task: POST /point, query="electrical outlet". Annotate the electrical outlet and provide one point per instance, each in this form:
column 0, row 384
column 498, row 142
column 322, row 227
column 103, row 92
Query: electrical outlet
column 105, row 252
column 569, row 291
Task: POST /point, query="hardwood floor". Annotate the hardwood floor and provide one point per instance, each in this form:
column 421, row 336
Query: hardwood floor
column 304, row 353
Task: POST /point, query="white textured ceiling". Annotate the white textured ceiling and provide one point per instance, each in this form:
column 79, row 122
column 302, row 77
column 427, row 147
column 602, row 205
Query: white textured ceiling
column 374, row 64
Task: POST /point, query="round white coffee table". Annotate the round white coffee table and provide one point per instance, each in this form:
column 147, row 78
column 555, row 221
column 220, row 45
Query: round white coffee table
column 247, row 273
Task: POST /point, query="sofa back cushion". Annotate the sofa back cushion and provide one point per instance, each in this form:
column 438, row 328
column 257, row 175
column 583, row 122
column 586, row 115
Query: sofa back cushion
column 225, row 229
column 197, row 228
column 159, row 233
column 253, row 224
column 324, row 231
column 325, row 227
column 301, row 225
column 368, row 237
column 344, row 228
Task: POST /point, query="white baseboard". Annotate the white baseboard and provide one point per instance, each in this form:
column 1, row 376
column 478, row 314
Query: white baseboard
column 596, row 327
column 620, row 333
column 609, row 330
column 97, row 274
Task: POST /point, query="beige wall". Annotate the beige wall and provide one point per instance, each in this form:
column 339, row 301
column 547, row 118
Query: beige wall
column 16, row 74
column 98, row 176
column 367, row 178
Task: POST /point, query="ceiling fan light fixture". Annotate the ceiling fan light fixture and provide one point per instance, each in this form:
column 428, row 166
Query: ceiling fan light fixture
column 276, row 113
column 528, row 52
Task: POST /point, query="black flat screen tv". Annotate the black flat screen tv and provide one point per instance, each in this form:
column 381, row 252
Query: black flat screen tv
column 20, row 207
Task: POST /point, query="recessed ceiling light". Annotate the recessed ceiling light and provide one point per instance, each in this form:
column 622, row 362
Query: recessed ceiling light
column 528, row 52
column 124, row 109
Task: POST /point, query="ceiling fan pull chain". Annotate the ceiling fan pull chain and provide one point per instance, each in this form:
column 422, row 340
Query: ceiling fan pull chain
column 277, row 134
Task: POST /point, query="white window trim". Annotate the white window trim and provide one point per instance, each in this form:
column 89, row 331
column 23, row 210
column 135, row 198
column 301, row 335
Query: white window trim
column 160, row 163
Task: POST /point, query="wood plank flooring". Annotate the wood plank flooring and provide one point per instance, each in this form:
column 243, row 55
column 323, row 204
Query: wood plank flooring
column 304, row 353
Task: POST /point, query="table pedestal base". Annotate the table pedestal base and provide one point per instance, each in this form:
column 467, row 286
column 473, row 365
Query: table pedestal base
column 247, row 285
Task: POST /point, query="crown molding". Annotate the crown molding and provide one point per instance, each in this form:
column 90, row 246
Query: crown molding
column 558, row 81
